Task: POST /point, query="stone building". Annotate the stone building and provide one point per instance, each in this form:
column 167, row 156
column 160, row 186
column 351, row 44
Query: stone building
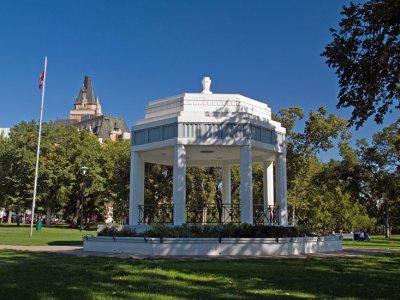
column 87, row 115
column 86, row 104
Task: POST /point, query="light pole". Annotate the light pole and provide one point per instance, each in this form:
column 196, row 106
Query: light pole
column 84, row 171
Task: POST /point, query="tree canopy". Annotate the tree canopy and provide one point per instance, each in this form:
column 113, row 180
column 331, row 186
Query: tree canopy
column 365, row 53
column 359, row 190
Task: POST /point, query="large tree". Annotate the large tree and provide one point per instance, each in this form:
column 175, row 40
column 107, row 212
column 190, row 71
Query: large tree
column 88, row 195
column 17, row 163
column 371, row 173
column 117, row 158
column 365, row 52
column 381, row 160
column 61, row 184
column 303, row 147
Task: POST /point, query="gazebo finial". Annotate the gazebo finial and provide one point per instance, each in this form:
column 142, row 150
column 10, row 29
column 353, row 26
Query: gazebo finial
column 206, row 85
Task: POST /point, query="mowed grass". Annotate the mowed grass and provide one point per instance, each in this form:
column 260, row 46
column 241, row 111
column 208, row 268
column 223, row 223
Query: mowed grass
column 27, row 275
column 376, row 242
column 63, row 235
column 60, row 235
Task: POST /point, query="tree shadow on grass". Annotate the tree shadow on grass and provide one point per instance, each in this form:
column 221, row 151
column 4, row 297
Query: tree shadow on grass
column 44, row 276
column 65, row 243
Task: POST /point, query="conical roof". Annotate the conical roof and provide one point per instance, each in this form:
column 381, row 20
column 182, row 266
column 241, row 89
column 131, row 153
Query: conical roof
column 86, row 92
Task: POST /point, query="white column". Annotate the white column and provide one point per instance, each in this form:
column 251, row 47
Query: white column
column 179, row 188
column 281, row 186
column 246, row 185
column 137, row 187
column 226, row 193
column 268, row 182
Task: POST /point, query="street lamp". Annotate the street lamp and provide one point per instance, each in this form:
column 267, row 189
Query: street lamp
column 84, row 171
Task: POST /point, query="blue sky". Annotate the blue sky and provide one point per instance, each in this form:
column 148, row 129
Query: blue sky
column 137, row 51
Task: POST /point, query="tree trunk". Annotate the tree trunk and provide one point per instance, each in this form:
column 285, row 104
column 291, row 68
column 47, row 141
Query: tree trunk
column 74, row 221
column 387, row 224
column 17, row 218
column 294, row 220
column 48, row 217
column 9, row 217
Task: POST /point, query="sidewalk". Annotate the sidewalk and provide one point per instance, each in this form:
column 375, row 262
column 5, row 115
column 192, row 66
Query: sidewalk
column 49, row 249
column 78, row 250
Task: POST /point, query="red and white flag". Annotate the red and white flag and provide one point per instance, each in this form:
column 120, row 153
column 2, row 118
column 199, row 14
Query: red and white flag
column 41, row 80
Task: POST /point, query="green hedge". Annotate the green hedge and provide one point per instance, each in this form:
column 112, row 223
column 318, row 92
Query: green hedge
column 208, row 231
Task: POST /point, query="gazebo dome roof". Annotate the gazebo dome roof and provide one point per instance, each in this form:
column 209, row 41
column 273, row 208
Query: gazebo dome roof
column 211, row 126
column 207, row 107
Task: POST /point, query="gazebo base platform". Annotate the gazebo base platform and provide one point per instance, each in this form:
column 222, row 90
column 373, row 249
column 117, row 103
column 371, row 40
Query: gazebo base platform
column 250, row 247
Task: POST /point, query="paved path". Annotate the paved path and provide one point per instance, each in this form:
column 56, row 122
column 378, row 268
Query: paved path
column 50, row 249
column 78, row 250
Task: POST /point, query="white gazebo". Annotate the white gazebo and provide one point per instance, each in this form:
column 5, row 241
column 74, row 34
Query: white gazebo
column 206, row 129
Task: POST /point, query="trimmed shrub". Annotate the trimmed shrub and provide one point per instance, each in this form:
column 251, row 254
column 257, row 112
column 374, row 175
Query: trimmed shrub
column 117, row 231
column 208, row 231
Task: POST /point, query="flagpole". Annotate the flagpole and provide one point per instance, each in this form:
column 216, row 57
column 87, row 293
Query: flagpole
column 38, row 146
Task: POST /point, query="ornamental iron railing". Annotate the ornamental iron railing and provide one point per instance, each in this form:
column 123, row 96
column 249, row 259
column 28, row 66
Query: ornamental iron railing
column 208, row 214
column 213, row 214
column 266, row 214
column 156, row 214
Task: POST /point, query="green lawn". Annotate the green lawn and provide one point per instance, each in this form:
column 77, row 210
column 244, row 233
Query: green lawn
column 61, row 235
column 26, row 275
column 376, row 242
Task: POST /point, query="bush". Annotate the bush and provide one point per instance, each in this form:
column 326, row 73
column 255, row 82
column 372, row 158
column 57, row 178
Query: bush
column 117, row 231
column 208, row 231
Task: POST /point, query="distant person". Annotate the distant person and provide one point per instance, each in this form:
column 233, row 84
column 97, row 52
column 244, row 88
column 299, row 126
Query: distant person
column 362, row 236
column 367, row 237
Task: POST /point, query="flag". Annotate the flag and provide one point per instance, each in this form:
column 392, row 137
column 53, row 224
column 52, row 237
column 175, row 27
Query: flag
column 41, row 80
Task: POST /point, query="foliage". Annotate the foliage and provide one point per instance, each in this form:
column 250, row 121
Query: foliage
column 381, row 162
column 358, row 191
column 203, row 186
column 319, row 133
column 56, row 173
column 365, row 54
column 208, row 231
column 117, row 169
column 331, row 203
column 370, row 175
column 158, row 184
column 17, row 163
column 62, row 187
column 117, row 230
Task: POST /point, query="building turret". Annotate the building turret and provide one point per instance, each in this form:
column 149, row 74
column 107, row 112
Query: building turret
column 86, row 104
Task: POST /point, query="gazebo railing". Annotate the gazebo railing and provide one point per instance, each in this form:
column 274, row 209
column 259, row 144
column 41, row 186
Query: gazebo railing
column 266, row 214
column 208, row 214
column 231, row 213
column 213, row 214
column 156, row 214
